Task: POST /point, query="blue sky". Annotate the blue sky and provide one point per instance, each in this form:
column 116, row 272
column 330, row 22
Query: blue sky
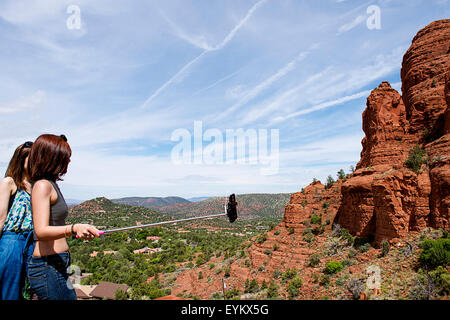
column 136, row 71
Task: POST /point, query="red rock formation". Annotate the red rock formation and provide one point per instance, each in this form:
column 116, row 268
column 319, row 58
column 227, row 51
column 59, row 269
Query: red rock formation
column 424, row 70
column 385, row 126
column 383, row 197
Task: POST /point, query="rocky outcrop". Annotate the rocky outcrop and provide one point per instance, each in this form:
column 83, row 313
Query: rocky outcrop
column 292, row 249
column 425, row 67
column 385, row 126
column 384, row 198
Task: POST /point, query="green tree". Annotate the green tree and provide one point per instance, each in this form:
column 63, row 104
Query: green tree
column 341, row 174
column 330, row 182
column 272, row 291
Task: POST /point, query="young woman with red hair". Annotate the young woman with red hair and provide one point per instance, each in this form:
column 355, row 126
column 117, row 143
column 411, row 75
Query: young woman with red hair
column 47, row 267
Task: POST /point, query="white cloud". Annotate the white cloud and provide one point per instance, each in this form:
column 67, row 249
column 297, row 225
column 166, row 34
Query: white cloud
column 348, row 26
column 321, row 106
column 255, row 91
column 26, row 103
column 207, row 49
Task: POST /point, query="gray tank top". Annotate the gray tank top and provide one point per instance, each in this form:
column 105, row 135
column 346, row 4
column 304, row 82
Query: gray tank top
column 58, row 211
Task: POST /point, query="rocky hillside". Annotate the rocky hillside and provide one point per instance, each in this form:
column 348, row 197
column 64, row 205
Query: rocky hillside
column 399, row 189
column 104, row 213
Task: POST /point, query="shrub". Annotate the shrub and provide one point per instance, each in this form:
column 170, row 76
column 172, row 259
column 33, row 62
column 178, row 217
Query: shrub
column 314, row 260
column 263, row 285
column 291, row 230
column 227, row 271
column 347, row 263
column 251, row 286
column 230, row 294
column 356, row 287
column 293, row 287
column 341, row 281
column 352, row 253
column 315, row 219
column 364, row 248
column 261, row 238
column 324, row 280
column 385, row 248
column 315, row 277
column 417, row 156
column 441, row 278
column 435, row 253
column 289, row 274
column 272, row 291
column 424, row 287
column 276, row 274
column 268, row 252
column 275, row 247
column 309, row 237
column 362, row 244
column 333, row 267
column 277, row 232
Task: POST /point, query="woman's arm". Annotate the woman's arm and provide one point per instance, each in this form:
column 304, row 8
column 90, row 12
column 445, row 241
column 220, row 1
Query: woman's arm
column 7, row 185
column 41, row 202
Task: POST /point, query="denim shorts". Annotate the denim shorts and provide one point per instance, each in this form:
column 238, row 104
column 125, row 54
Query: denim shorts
column 48, row 277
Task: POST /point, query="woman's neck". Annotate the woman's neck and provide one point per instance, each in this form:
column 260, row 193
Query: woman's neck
column 27, row 185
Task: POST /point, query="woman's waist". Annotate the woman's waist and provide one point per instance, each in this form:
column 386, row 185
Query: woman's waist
column 50, row 247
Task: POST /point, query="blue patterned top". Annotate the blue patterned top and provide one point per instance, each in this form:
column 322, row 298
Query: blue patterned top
column 19, row 218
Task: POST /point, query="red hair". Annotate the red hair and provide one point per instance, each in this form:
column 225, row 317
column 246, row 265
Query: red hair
column 49, row 157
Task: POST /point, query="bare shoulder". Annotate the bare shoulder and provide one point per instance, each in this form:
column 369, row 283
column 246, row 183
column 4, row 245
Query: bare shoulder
column 42, row 187
column 8, row 183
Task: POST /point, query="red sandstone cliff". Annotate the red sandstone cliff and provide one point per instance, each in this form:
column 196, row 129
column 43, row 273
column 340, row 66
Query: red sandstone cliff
column 384, row 197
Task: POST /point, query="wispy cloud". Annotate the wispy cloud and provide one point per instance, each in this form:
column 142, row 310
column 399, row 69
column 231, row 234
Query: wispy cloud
column 321, row 106
column 352, row 24
column 24, row 103
column 207, row 48
column 255, row 91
